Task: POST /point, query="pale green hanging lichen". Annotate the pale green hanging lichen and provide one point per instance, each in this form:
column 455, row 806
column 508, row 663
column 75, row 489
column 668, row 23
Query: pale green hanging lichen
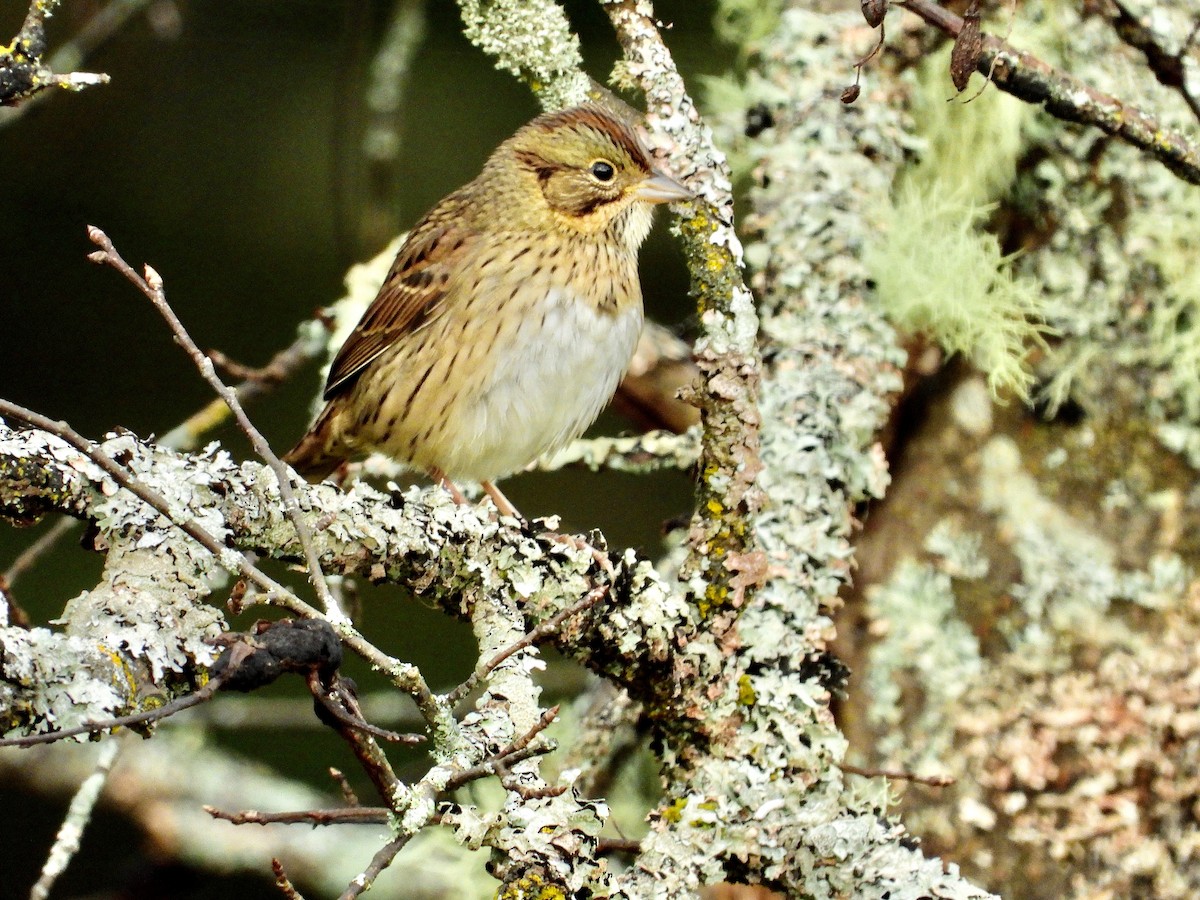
column 936, row 267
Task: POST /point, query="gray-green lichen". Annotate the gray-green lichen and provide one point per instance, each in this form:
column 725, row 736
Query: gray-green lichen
column 533, row 40
column 922, row 644
column 775, row 794
column 1116, row 252
column 141, row 627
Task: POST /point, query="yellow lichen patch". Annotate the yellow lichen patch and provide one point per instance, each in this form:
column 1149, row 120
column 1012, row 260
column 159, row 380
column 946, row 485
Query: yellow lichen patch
column 531, row 887
column 746, row 693
column 674, row 812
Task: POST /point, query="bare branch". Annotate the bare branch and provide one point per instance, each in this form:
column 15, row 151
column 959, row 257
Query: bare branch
column 343, row 784
column 357, row 815
column 152, row 287
column 379, row 862
column 283, row 882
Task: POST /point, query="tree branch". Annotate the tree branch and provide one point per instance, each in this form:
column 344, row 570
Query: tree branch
column 152, row 287
column 22, row 72
column 1066, row 97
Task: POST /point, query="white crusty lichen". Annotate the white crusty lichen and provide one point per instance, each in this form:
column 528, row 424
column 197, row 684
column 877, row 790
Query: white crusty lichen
column 123, row 641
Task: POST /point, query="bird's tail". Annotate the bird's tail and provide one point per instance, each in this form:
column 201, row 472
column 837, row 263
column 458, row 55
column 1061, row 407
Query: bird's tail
column 316, row 455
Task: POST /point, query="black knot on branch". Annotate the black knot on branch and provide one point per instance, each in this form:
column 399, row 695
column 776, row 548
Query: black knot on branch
column 273, row 648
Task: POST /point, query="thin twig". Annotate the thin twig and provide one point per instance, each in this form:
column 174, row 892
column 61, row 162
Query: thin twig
column 66, row 843
column 1066, row 97
column 545, row 721
column 184, row 436
column 229, row 560
column 897, row 775
column 351, row 720
column 617, row 845
column 374, row 815
column 367, row 751
column 343, row 784
column 152, row 286
column 354, row 815
column 268, row 374
column 1167, row 67
column 546, row 629
column 488, row 767
column 29, row 556
column 283, row 882
column 379, row 862
column 295, row 713
column 518, row 751
column 260, row 382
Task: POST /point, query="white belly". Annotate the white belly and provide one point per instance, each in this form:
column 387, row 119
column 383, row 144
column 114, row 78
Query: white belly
column 556, row 375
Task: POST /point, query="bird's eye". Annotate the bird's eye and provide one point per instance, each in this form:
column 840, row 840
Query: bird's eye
column 603, row 171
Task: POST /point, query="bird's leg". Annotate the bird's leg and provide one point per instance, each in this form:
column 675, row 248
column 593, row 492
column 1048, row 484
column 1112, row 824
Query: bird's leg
column 503, row 504
column 439, row 477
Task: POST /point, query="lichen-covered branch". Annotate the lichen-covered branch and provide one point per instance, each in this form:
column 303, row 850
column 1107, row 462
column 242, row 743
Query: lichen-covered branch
column 723, row 548
column 747, row 732
column 533, row 40
column 442, row 550
column 66, row 843
column 22, row 72
column 1067, row 97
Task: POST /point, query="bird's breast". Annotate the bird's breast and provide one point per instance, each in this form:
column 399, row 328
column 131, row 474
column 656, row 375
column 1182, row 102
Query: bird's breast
column 525, row 353
column 557, row 369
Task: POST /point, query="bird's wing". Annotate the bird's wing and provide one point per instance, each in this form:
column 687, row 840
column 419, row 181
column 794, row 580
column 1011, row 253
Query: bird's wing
column 410, row 296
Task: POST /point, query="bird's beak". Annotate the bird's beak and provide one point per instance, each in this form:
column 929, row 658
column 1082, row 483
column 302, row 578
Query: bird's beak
column 659, row 188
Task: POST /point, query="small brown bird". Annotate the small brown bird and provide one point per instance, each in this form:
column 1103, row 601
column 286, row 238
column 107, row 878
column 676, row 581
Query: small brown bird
column 510, row 314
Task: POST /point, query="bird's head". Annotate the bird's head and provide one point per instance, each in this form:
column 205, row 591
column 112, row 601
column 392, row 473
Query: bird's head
column 586, row 169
